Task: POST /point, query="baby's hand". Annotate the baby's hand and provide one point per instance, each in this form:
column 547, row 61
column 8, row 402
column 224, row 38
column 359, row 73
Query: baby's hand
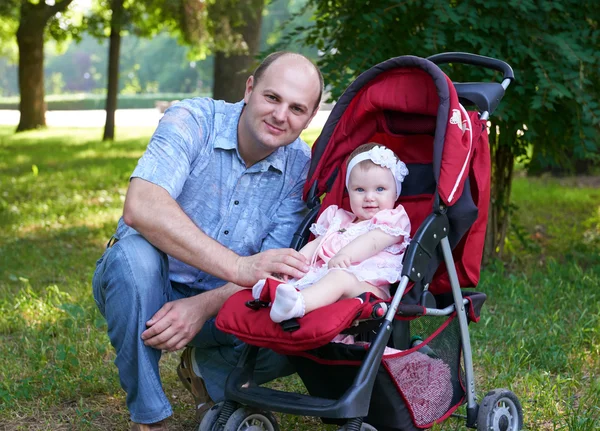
column 340, row 261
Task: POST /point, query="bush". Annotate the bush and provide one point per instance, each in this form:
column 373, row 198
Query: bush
column 75, row 102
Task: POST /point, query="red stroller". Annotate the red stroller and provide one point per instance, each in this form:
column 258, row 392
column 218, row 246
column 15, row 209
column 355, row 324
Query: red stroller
column 403, row 369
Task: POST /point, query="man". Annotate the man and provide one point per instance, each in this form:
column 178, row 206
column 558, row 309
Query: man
column 210, row 206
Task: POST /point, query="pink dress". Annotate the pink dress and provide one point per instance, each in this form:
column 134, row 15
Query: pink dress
column 337, row 228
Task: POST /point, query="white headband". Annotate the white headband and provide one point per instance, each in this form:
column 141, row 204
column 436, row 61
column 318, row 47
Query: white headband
column 383, row 157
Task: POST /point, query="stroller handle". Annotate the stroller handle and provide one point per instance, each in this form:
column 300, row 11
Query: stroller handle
column 475, row 60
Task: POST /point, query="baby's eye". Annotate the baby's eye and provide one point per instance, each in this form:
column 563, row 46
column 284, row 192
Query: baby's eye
column 360, row 189
column 380, row 189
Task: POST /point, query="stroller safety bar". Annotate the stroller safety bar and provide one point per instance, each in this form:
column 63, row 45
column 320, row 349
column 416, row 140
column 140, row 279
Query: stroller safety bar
column 485, row 95
column 474, row 60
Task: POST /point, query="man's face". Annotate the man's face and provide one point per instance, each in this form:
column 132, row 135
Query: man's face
column 279, row 106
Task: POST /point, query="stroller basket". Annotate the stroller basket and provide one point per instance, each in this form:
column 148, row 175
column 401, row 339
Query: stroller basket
column 421, row 386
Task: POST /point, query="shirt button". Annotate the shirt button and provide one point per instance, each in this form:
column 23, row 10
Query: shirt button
column 236, row 202
column 226, row 232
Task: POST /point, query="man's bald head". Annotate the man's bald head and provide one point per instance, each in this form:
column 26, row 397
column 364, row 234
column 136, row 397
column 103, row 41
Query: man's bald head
column 272, row 58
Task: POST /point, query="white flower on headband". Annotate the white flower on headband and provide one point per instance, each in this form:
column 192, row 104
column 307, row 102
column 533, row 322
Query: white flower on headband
column 383, row 157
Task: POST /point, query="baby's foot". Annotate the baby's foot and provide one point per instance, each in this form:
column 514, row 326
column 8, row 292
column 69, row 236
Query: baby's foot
column 288, row 303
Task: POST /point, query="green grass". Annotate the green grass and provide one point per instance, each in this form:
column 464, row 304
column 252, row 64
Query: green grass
column 61, row 193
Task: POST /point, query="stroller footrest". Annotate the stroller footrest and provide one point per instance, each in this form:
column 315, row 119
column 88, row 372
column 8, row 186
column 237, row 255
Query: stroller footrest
column 292, row 403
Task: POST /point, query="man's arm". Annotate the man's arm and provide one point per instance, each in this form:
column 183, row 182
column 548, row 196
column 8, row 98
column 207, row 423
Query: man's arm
column 151, row 211
column 177, row 322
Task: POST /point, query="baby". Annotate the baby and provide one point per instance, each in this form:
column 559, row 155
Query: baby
column 353, row 252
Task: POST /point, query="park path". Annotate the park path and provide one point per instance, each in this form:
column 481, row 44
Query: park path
column 123, row 118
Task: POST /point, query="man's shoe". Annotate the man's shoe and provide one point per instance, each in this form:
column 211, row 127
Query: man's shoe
column 194, row 384
column 158, row 426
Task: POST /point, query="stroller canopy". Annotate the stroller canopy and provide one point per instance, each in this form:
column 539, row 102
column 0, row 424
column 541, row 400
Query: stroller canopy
column 403, row 96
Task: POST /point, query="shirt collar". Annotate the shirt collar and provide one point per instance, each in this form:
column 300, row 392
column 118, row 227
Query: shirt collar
column 226, row 139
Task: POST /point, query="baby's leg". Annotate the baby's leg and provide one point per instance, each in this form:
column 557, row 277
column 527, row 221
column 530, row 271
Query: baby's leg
column 337, row 284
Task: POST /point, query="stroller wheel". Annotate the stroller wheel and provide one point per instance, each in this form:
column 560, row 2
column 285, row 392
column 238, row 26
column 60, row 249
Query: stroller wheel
column 249, row 419
column 500, row 410
column 210, row 418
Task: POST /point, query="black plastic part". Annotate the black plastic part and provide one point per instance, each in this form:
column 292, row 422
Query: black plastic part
column 474, row 60
column 486, row 96
column 354, row 403
column 290, row 325
column 472, row 413
column 301, row 236
column 423, row 245
column 438, row 206
column 312, row 198
column 256, row 304
column 428, row 300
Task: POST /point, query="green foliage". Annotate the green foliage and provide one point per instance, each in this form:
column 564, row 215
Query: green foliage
column 539, row 333
column 552, row 46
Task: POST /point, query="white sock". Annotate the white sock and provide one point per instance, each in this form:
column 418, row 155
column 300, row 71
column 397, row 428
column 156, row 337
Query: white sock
column 195, row 368
column 288, row 303
column 257, row 288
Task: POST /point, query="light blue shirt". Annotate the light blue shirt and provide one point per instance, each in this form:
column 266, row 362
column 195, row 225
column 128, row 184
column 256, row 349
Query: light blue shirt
column 193, row 154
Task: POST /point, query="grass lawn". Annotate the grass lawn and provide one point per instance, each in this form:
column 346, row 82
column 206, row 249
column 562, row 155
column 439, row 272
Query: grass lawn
column 61, row 194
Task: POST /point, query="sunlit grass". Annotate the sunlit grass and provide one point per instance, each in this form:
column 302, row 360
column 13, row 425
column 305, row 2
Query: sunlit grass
column 61, row 194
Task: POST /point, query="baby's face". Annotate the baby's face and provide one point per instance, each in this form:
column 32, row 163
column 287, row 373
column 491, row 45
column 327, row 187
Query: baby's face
column 371, row 190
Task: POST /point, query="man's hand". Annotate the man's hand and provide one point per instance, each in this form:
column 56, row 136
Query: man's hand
column 285, row 262
column 339, row 261
column 175, row 324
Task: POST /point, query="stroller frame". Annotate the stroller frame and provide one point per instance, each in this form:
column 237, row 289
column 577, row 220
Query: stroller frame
column 430, row 238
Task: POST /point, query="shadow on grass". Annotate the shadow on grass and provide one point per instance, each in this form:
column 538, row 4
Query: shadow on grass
column 63, row 257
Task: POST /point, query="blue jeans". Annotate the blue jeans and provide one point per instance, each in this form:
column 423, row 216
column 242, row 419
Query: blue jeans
column 130, row 284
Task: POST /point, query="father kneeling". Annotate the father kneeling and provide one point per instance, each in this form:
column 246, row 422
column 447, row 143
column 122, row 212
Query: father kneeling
column 210, row 206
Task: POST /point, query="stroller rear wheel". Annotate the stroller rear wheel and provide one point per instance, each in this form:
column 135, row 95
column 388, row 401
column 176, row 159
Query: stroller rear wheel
column 249, row 419
column 500, row 410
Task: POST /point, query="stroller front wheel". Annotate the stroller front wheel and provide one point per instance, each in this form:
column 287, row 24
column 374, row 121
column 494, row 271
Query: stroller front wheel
column 500, row 410
column 247, row 419
column 211, row 417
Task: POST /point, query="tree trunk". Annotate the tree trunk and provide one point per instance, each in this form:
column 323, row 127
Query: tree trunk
column 113, row 69
column 30, row 40
column 231, row 71
column 503, row 161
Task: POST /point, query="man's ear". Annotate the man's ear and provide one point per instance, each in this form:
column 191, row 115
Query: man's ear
column 249, row 88
column 312, row 116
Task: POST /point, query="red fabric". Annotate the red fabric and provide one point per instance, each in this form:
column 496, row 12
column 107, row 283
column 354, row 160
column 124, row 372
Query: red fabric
column 397, row 93
column 317, row 328
column 267, row 294
column 469, row 251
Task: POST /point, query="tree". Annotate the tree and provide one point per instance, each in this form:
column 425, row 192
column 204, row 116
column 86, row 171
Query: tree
column 552, row 46
column 231, row 28
column 234, row 56
column 144, row 18
column 36, row 19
